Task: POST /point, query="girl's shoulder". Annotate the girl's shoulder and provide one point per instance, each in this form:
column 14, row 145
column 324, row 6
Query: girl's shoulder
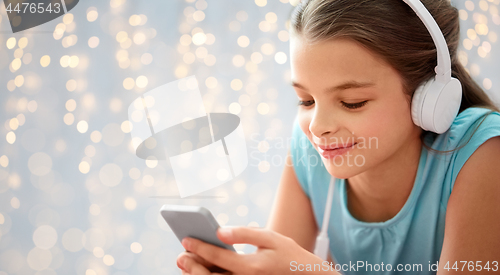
column 473, row 125
column 470, row 129
column 472, row 120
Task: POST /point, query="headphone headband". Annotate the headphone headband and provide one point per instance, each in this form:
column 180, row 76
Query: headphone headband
column 443, row 68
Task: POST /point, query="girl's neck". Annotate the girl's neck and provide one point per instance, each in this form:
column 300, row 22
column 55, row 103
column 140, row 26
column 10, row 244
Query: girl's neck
column 378, row 194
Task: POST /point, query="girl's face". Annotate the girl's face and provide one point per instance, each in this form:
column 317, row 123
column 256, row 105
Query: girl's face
column 350, row 95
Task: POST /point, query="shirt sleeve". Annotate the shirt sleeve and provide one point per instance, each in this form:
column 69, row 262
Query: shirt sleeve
column 489, row 128
column 298, row 149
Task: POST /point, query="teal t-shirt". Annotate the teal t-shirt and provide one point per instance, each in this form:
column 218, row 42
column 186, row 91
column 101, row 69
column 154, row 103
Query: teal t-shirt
column 415, row 235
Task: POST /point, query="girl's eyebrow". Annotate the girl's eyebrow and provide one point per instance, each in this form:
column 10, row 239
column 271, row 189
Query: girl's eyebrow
column 351, row 84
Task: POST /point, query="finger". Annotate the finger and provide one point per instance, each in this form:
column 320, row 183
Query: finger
column 180, row 262
column 195, row 257
column 192, row 267
column 259, row 237
column 210, row 266
column 221, row 257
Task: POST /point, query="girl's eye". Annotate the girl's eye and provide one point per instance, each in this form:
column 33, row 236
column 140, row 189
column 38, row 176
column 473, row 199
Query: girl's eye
column 346, row 105
column 306, row 103
column 354, row 105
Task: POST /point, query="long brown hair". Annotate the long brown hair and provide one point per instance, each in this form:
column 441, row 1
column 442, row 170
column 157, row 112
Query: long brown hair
column 392, row 30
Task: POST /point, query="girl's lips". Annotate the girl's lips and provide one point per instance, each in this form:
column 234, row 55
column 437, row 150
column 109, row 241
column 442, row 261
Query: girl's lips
column 330, row 147
column 331, row 153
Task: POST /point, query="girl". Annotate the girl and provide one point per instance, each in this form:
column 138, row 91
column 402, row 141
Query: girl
column 405, row 199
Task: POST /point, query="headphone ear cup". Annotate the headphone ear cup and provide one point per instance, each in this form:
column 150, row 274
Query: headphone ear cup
column 435, row 105
column 442, row 109
column 417, row 102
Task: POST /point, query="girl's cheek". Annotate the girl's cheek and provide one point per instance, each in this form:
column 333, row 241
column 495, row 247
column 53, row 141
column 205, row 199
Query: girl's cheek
column 304, row 124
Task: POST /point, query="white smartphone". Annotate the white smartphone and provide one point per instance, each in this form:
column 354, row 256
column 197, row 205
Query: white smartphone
column 193, row 221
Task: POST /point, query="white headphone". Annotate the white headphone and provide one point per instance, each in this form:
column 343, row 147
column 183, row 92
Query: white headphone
column 435, row 105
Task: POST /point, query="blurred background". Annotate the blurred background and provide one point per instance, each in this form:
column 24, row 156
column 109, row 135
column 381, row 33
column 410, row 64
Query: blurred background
column 74, row 198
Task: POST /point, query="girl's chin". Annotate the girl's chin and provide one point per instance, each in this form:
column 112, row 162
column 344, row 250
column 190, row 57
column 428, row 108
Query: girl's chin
column 344, row 171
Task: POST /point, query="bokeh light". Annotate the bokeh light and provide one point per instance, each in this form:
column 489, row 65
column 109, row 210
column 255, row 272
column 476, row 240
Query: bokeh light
column 76, row 198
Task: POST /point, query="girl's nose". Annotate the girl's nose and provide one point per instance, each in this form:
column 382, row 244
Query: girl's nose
column 322, row 125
